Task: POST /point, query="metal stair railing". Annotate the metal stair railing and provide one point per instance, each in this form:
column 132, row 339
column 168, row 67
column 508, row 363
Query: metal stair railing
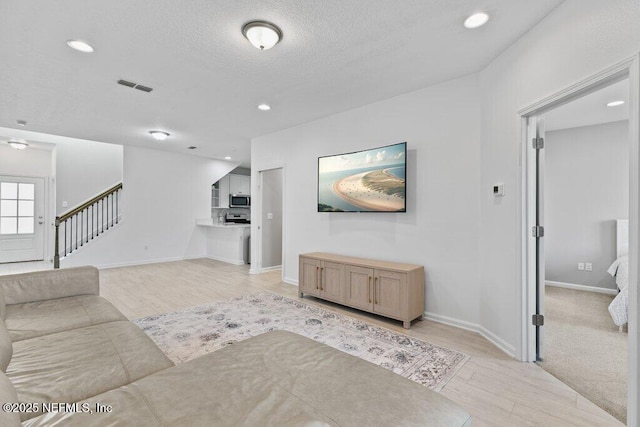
column 86, row 221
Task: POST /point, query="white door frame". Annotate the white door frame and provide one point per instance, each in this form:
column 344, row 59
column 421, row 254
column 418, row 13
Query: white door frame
column 628, row 68
column 256, row 217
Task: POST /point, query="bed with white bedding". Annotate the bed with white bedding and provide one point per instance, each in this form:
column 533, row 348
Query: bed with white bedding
column 620, row 270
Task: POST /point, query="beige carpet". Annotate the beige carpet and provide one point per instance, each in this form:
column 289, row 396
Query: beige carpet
column 584, row 348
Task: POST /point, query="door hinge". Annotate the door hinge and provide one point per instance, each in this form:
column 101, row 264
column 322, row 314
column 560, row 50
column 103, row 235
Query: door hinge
column 537, row 231
column 537, row 320
column 538, row 143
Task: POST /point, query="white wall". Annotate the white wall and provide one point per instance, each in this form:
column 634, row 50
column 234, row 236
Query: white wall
column 163, row 195
column 586, row 190
column 37, row 160
column 440, row 228
column 577, row 40
column 85, row 169
column 28, row 162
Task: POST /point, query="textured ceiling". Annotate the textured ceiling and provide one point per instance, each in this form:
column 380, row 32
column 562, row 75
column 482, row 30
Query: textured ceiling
column 207, row 79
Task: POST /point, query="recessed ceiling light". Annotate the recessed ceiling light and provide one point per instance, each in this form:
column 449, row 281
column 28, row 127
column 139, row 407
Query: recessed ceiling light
column 191, row 147
column 80, row 46
column 227, row 158
column 476, row 20
column 264, row 107
column 21, row 122
column 261, row 34
column 159, row 135
column 18, row 144
column 615, row 103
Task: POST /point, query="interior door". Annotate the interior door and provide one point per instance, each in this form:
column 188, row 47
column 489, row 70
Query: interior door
column 536, row 133
column 21, row 219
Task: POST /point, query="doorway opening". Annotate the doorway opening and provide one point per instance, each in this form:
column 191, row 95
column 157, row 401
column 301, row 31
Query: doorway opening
column 575, row 163
column 271, row 224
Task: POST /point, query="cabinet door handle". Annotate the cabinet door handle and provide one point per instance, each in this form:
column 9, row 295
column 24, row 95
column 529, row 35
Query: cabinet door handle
column 321, row 268
column 369, row 290
column 317, row 274
column 375, row 294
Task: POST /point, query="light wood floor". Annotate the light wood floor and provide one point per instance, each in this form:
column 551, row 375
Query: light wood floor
column 494, row 388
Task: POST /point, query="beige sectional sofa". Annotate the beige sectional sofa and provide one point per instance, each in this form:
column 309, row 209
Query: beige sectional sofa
column 69, row 357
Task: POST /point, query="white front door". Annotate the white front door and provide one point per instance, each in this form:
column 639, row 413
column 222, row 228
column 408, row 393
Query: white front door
column 21, row 219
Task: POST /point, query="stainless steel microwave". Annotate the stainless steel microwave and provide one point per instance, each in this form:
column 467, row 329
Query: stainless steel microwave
column 239, row 201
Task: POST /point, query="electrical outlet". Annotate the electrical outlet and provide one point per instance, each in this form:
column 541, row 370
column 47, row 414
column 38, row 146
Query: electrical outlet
column 581, row 266
column 588, row 266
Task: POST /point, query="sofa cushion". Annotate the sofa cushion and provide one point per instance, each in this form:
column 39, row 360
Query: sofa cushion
column 277, row 378
column 50, row 284
column 39, row 318
column 8, row 395
column 6, row 347
column 73, row 365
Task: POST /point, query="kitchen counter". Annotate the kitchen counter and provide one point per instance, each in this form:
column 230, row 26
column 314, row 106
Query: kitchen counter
column 208, row 222
column 226, row 242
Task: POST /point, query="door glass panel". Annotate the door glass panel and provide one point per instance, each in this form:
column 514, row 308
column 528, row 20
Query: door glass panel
column 9, row 190
column 25, row 208
column 8, row 226
column 25, row 225
column 26, row 191
column 8, row 208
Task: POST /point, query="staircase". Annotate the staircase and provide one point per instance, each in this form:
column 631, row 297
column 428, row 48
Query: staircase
column 85, row 222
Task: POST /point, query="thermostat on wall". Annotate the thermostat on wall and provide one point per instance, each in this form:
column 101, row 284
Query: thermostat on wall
column 498, row 190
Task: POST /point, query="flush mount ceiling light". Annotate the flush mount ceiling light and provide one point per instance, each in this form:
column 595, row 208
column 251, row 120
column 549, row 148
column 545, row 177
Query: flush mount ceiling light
column 227, row 157
column 264, row 107
column 159, row 135
column 18, row 144
column 476, row 20
column 261, row 34
column 79, row 45
column 615, row 103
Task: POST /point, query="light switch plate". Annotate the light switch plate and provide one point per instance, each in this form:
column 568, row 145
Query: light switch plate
column 498, row 190
column 269, row 215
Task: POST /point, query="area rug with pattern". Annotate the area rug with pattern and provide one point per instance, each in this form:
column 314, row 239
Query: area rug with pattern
column 187, row 334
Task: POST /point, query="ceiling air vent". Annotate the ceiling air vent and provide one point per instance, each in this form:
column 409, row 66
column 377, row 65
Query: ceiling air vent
column 135, row 85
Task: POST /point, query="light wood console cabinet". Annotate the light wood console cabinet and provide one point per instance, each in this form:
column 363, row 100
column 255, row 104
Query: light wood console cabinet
column 389, row 289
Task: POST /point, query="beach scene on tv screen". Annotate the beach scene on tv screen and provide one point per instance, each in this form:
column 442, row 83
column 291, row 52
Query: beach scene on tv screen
column 366, row 181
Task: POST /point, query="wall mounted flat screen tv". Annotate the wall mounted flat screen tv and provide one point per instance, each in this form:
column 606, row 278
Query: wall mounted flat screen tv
column 365, row 181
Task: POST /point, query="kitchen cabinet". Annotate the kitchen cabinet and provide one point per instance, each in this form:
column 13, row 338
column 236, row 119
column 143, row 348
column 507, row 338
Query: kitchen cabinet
column 222, row 193
column 239, row 184
column 394, row 290
column 229, row 184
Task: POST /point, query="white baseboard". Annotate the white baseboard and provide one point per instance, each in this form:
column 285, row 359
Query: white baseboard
column 581, row 287
column 227, row 260
column 141, row 262
column 473, row 327
column 290, row 281
column 264, row 270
